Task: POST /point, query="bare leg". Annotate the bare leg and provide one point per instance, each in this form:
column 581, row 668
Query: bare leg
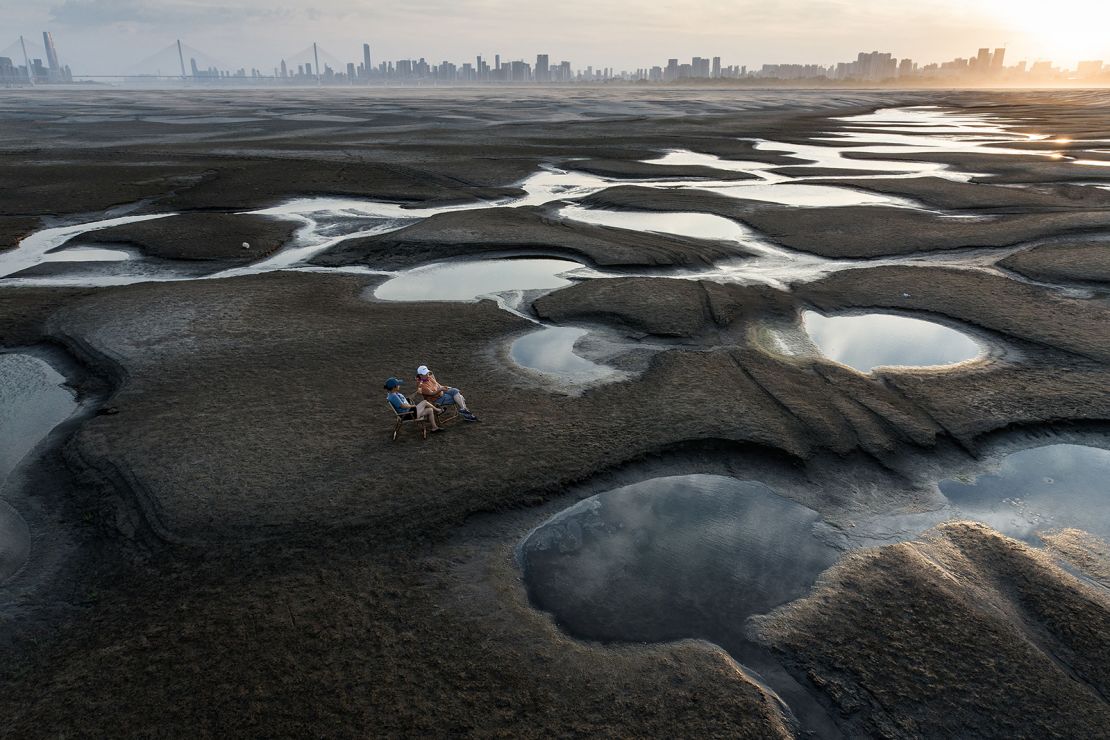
column 424, row 410
column 460, row 402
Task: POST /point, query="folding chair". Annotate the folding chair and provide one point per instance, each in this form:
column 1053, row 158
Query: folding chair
column 401, row 420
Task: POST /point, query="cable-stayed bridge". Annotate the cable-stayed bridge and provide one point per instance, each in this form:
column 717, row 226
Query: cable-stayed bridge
column 179, row 60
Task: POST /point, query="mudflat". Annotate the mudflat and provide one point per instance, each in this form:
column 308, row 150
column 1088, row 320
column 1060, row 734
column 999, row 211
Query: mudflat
column 230, row 540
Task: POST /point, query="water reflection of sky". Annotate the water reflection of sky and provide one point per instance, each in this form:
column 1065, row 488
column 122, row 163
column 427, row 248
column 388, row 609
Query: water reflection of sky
column 872, row 340
column 1050, row 487
column 684, row 556
column 698, row 225
column 465, row 281
column 32, row 402
column 550, row 350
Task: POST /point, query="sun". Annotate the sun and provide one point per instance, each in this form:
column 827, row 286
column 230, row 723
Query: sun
column 1065, row 31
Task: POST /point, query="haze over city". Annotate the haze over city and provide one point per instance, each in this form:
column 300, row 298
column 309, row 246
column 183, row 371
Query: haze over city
column 113, row 36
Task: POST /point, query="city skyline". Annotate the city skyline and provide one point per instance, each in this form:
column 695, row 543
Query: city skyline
column 986, row 66
column 109, row 36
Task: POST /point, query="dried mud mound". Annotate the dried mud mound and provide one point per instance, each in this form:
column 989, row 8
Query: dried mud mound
column 964, row 633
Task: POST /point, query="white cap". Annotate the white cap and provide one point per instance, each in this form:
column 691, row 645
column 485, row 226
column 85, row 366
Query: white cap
column 423, row 370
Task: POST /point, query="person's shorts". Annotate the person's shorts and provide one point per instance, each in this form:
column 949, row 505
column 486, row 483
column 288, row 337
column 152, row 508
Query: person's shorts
column 407, row 414
column 448, row 397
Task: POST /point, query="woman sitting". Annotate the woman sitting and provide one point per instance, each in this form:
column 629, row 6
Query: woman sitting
column 406, row 410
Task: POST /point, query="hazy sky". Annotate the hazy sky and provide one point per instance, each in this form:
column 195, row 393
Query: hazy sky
column 112, row 36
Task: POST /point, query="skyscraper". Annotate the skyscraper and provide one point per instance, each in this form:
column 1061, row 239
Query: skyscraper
column 983, row 61
column 51, row 55
column 366, row 59
column 716, row 72
column 997, row 59
column 542, row 73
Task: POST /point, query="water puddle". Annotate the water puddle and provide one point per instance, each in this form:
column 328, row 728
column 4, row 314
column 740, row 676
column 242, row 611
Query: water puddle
column 811, row 196
column 868, row 341
column 327, row 221
column 89, row 254
column 679, row 557
column 550, row 351
column 469, row 280
column 1044, row 488
column 696, row 225
column 33, row 401
column 33, row 249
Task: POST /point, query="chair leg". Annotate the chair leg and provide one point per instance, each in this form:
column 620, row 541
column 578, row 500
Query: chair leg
column 396, row 429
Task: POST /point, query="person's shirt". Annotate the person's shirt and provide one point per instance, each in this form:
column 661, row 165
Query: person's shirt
column 430, row 387
column 399, row 402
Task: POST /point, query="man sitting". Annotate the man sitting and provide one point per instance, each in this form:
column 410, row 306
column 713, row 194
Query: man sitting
column 406, row 410
column 435, row 392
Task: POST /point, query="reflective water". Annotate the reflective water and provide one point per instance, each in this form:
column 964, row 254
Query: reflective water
column 550, row 351
column 32, row 250
column 326, row 221
column 867, row 341
column 88, row 254
column 32, row 402
column 466, row 281
column 679, row 557
column 810, row 196
column 697, row 225
column 1052, row 487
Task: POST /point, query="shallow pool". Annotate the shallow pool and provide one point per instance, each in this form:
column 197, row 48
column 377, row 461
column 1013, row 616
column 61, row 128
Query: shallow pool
column 550, row 351
column 1051, row 487
column 32, row 402
column 467, row 280
column 683, row 556
column 867, row 341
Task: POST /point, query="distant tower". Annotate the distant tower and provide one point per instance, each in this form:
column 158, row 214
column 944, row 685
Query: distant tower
column 316, row 56
column 997, row 59
column 543, row 73
column 27, row 61
column 181, row 57
column 983, row 61
column 366, row 58
column 51, row 55
column 284, row 70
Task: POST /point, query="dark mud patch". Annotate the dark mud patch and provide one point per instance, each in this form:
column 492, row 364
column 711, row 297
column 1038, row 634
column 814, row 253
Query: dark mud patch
column 198, row 236
column 661, row 307
column 962, row 633
column 1067, row 262
column 14, row 228
column 525, row 230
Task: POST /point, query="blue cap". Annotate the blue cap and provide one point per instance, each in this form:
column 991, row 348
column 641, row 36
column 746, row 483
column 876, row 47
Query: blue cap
column 393, row 383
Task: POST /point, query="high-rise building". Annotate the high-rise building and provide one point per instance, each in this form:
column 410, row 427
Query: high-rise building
column 1089, row 69
column 716, row 71
column 366, row 58
column 284, row 70
column 983, row 61
column 542, row 72
column 997, row 59
column 51, row 55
